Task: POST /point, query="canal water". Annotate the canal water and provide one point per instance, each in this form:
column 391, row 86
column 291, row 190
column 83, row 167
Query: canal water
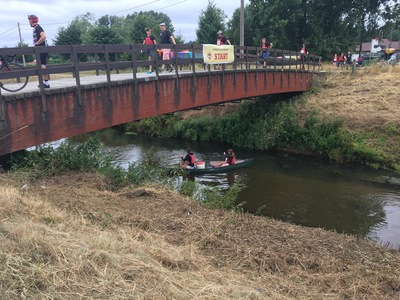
column 292, row 188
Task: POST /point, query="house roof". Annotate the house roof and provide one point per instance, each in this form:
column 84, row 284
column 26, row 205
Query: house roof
column 366, row 47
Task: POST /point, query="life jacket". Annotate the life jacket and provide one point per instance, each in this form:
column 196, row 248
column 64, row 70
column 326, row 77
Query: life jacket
column 266, row 46
column 232, row 160
column 148, row 41
column 220, row 41
column 192, row 159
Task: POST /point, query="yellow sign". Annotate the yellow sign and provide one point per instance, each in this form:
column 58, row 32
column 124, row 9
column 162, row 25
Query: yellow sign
column 214, row 54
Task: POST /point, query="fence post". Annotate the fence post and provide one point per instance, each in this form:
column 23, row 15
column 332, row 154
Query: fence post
column 40, row 76
column 96, row 60
column 246, row 53
column 108, row 71
column 193, row 69
column 134, row 71
column 235, row 65
column 2, row 109
column 116, row 60
column 176, row 68
column 74, row 55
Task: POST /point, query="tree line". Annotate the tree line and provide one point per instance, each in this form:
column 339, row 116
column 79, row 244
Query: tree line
column 325, row 26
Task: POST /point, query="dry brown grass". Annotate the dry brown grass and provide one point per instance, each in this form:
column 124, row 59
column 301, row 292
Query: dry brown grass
column 366, row 99
column 68, row 238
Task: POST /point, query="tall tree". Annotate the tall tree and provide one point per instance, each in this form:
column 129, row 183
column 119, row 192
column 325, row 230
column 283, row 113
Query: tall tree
column 103, row 35
column 211, row 20
column 325, row 26
column 234, row 34
column 74, row 33
column 366, row 15
column 391, row 16
column 137, row 22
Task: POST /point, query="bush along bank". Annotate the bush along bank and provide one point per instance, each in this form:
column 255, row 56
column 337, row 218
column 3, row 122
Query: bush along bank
column 270, row 123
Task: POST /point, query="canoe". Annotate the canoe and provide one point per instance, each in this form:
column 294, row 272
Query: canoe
column 240, row 163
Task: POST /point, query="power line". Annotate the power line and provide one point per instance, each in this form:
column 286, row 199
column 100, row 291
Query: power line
column 47, row 24
column 171, row 5
column 51, row 24
column 3, row 37
column 117, row 12
column 8, row 30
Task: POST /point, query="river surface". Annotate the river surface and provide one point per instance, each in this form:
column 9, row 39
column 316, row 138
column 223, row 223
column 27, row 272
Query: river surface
column 295, row 189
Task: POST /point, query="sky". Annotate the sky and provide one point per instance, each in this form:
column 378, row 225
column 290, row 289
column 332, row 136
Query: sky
column 54, row 14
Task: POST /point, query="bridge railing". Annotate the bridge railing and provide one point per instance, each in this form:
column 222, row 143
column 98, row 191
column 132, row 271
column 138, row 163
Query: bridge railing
column 133, row 58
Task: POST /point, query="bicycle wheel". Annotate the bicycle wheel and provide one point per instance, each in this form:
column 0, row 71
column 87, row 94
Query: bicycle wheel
column 13, row 84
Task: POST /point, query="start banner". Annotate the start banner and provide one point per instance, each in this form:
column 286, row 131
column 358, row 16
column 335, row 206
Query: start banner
column 214, row 54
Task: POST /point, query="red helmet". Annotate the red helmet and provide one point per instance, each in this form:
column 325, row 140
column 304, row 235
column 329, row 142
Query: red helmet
column 34, row 18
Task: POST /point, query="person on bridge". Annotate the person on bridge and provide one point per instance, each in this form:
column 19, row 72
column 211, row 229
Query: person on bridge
column 149, row 40
column 221, row 40
column 265, row 45
column 230, row 159
column 188, row 161
column 39, row 40
column 166, row 37
column 303, row 55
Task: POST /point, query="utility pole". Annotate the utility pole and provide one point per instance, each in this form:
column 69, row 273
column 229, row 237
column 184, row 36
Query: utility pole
column 241, row 42
column 391, row 36
column 20, row 42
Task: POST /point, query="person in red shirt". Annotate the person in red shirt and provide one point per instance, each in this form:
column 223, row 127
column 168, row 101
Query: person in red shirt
column 149, row 40
column 303, row 55
column 265, row 45
column 360, row 61
column 221, row 40
column 335, row 60
column 342, row 59
column 188, row 161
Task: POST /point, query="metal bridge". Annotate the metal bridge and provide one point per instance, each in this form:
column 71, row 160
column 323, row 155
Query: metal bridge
column 107, row 85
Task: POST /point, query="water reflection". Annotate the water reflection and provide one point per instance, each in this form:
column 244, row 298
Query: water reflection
column 295, row 189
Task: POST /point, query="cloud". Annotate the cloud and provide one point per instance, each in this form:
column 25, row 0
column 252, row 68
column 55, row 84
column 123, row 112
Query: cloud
column 55, row 14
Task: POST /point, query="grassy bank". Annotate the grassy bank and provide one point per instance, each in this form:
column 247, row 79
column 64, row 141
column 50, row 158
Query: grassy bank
column 73, row 226
column 367, row 102
column 342, row 118
column 69, row 237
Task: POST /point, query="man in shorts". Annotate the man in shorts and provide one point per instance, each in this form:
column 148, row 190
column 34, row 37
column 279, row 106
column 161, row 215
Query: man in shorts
column 39, row 40
column 166, row 37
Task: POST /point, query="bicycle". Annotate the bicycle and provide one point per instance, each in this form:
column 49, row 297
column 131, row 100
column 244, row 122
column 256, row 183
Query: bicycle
column 12, row 84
